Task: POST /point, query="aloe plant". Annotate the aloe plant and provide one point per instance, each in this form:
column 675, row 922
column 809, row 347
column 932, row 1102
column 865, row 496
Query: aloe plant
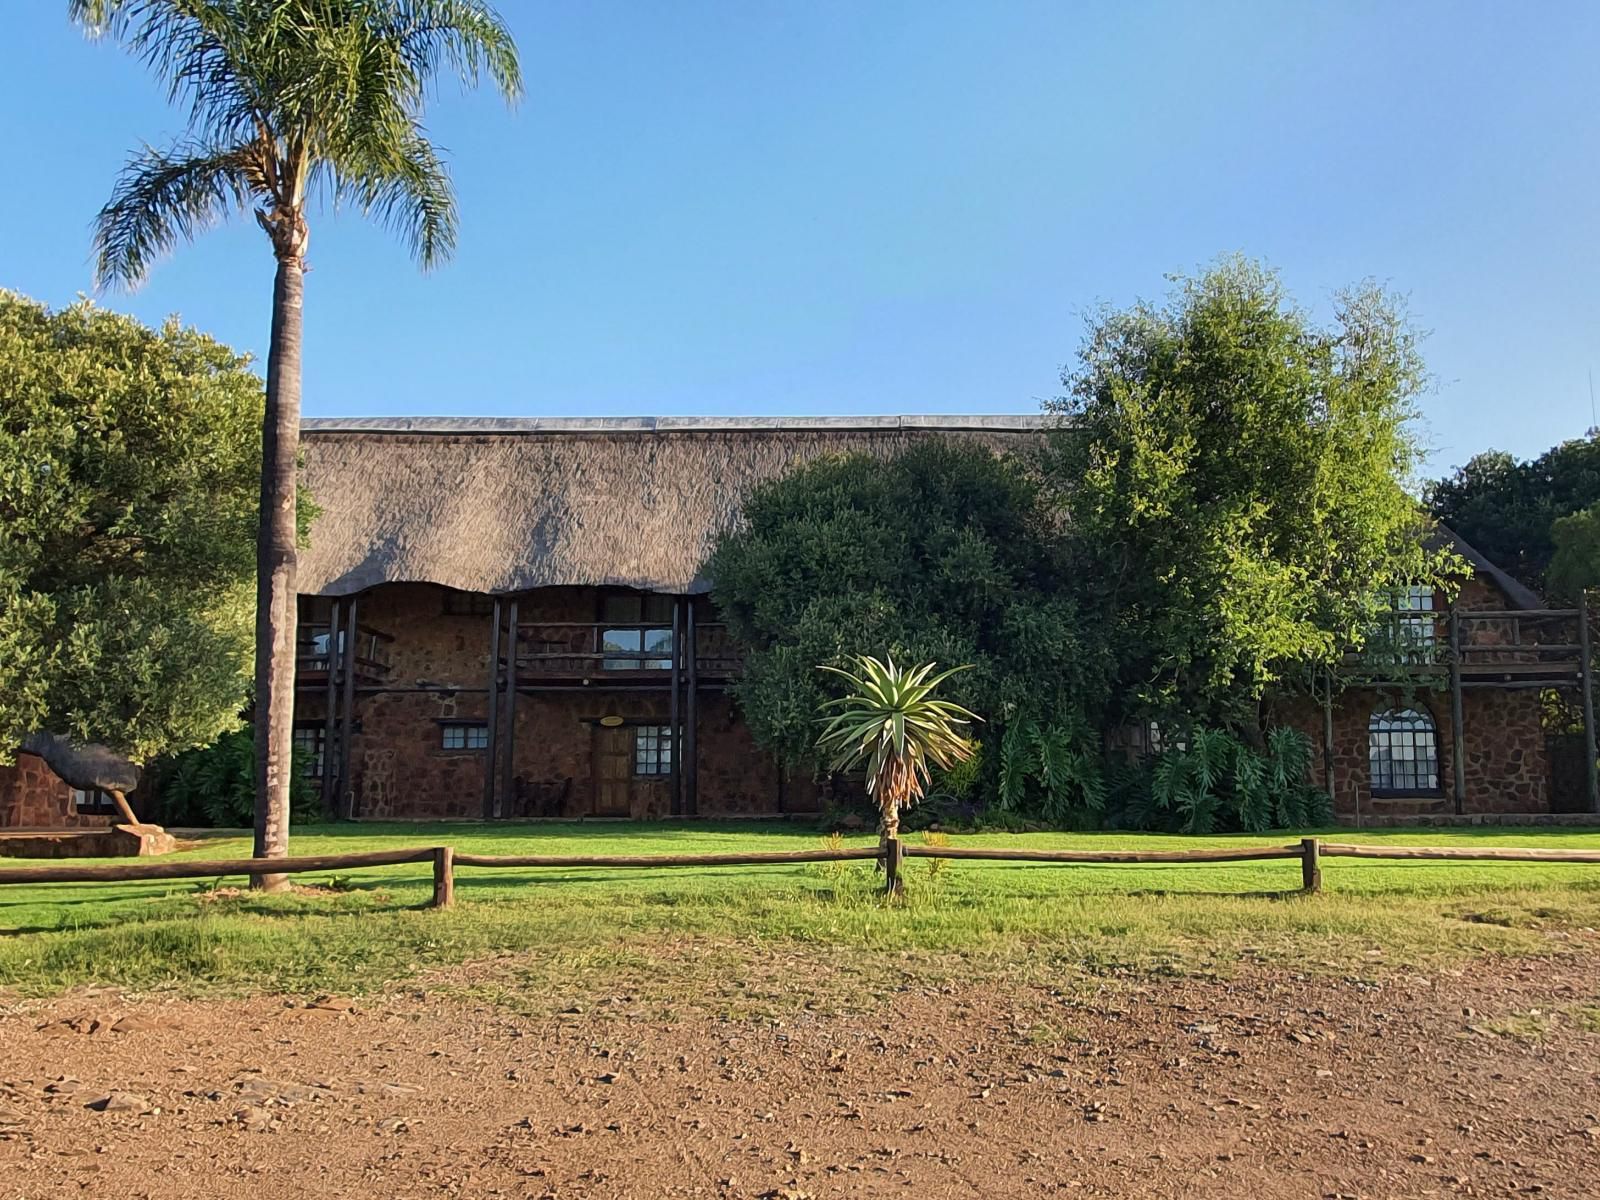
column 891, row 721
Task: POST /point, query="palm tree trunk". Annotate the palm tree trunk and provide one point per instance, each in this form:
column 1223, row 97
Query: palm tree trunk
column 275, row 573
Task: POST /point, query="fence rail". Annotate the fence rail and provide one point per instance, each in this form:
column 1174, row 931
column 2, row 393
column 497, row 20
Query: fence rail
column 1309, row 851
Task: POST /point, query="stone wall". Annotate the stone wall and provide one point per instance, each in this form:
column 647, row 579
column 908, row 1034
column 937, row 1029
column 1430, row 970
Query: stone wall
column 400, row 769
column 1505, row 765
column 33, row 797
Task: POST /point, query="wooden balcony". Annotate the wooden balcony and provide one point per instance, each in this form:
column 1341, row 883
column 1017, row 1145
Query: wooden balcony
column 622, row 654
column 370, row 655
column 1533, row 648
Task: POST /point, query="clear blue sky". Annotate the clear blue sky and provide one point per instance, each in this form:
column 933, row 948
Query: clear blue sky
column 899, row 205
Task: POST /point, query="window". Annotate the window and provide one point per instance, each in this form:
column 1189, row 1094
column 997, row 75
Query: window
column 94, row 802
column 464, row 735
column 642, row 638
column 308, row 749
column 652, row 750
column 1403, row 752
column 1414, row 619
column 468, row 604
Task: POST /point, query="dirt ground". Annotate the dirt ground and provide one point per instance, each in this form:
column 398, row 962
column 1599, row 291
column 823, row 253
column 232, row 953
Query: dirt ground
column 1475, row 1082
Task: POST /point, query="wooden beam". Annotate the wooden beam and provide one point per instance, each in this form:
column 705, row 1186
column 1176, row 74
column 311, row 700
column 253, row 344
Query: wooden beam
column 494, row 712
column 672, row 709
column 330, row 781
column 190, row 868
column 508, row 780
column 1327, row 739
column 1483, row 853
column 755, row 858
column 347, row 719
column 1002, row 854
column 691, row 752
column 1590, row 775
column 1458, row 720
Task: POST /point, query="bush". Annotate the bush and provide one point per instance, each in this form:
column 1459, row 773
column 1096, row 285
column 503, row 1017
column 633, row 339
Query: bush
column 215, row 786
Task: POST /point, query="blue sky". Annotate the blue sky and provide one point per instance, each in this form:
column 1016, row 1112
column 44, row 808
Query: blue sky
column 886, row 206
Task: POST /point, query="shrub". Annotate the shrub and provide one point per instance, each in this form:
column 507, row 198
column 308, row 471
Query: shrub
column 215, row 786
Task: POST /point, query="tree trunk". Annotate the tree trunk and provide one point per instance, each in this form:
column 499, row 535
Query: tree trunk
column 275, row 573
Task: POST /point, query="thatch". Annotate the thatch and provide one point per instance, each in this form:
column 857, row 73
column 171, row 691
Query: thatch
column 505, row 505
column 1517, row 594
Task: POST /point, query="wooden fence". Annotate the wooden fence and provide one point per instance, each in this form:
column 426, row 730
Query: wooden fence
column 1309, row 851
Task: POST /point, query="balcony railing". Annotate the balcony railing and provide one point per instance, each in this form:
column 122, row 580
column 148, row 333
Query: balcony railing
column 370, row 652
column 600, row 650
column 1483, row 644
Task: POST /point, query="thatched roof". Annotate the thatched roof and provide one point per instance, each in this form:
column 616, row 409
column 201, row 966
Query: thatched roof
column 1517, row 594
column 500, row 505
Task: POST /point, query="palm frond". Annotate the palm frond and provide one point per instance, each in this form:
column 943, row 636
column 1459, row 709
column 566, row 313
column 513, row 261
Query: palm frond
column 162, row 198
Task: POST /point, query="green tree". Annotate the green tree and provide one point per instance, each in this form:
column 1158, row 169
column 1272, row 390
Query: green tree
column 289, row 101
column 1575, row 561
column 1507, row 509
column 941, row 554
column 1235, row 478
column 129, row 459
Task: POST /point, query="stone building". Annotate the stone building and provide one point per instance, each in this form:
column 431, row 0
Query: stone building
column 508, row 619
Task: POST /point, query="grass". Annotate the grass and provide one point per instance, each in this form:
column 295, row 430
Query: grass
column 751, row 940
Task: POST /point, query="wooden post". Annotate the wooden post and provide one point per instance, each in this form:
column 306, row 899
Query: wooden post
column 330, row 780
column 444, row 876
column 1588, row 703
column 494, row 713
column 347, row 718
column 507, row 787
column 672, row 710
column 1310, row 866
column 1327, row 738
column 893, row 852
column 691, row 753
column 123, row 807
column 1458, row 721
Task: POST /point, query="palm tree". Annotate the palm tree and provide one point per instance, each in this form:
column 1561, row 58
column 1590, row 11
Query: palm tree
column 890, row 720
column 291, row 103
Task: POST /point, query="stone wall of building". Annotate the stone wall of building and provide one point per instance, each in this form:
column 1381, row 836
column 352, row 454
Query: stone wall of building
column 1506, row 769
column 32, row 796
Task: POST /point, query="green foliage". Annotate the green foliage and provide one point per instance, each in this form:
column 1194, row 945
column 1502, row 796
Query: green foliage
column 129, row 460
column 215, row 786
column 1575, row 561
column 1214, row 782
column 890, row 722
column 942, row 553
column 1507, row 509
column 1052, row 771
column 1235, row 480
column 287, row 101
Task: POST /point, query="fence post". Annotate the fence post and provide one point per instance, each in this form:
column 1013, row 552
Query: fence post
column 444, row 876
column 891, row 864
column 1310, row 866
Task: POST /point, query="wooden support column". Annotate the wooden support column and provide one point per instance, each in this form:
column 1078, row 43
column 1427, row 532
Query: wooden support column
column 691, row 752
column 508, row 779
column 1310, row 866
column 1327, row 737
column 1458, row 721
column 347, row 719
column 494, row 713
column 1590, row 776
column 672, row 706
column 444, row 876
column 330, row 779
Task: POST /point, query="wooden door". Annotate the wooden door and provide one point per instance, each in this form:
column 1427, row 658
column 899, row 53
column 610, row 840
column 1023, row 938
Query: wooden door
column 613, row 771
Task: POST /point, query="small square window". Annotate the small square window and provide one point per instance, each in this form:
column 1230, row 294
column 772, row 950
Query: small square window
column 652, row 750
column 308, row 749
column 94, row 802
column 464, row 737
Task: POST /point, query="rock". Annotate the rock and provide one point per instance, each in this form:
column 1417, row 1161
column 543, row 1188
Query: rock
column 63, row 1086
column 254, row 1118
column 133, row 1023
column 119, row 1102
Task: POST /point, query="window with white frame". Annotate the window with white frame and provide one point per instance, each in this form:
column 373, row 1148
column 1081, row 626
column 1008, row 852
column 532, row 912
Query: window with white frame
column 308, row 749
column 1403, row 753
column 652, row 750
column 464, row 735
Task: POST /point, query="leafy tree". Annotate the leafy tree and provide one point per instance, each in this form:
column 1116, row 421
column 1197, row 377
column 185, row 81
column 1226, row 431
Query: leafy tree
column 1507, row 509
column 1235, row 480
column 941, row 554
column 1575, row 563
column 128, row 467
column 289, row 100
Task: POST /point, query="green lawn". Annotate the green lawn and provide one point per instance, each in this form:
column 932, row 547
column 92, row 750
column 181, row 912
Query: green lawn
column 745, row 939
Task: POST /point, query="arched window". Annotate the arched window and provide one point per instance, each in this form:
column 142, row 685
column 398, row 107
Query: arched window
column 1403, row 752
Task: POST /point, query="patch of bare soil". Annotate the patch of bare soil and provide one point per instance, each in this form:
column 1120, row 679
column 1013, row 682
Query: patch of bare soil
column 1481, row 1082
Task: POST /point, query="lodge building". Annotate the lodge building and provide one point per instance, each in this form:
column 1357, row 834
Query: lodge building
column 508, row 619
